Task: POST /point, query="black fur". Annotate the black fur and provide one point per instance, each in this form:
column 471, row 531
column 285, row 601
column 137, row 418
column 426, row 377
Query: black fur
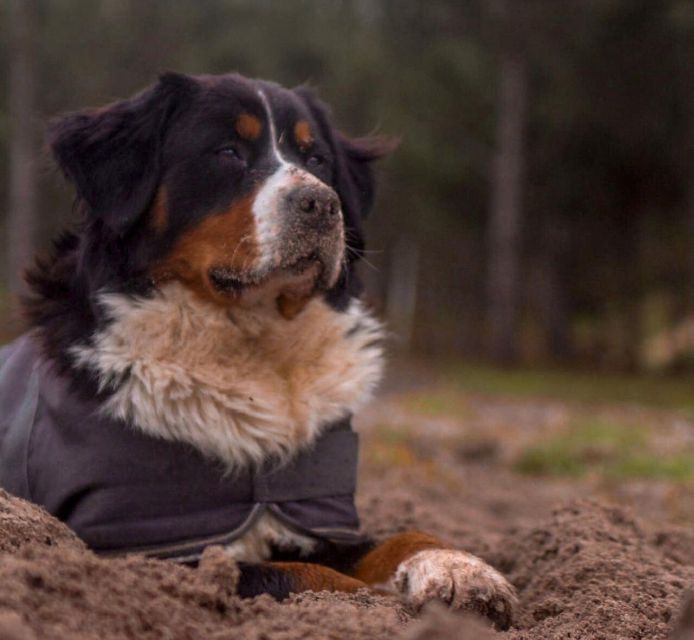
column 342, row 558
column 113, row 155
column 256, row 579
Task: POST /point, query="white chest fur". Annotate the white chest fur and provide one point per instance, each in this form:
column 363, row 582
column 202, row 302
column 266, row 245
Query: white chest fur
column 240, row 386
column 266, row 534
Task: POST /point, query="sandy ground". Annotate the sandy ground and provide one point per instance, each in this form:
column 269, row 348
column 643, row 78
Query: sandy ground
column 587, row 563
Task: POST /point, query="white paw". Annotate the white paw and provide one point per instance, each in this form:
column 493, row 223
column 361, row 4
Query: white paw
column 459, row 579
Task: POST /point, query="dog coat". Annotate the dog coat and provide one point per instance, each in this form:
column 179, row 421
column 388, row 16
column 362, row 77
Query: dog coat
column 123, row 491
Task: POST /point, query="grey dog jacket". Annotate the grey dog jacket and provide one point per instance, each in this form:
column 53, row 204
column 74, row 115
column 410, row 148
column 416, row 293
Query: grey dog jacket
column 123, row 491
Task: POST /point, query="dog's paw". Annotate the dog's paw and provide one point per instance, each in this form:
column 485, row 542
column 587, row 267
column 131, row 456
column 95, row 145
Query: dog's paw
column 459, row 579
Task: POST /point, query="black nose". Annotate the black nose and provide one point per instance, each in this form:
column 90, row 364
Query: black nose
column 315, row 205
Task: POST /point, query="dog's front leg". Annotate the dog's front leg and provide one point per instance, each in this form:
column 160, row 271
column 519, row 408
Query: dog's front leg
column 279, row 579
column 421, row 568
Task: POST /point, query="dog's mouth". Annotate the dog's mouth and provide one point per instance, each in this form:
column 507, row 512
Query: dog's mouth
column 226, row 280
column 289, row 286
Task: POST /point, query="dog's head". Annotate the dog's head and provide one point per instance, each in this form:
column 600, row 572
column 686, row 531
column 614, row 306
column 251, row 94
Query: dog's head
column 240, row 189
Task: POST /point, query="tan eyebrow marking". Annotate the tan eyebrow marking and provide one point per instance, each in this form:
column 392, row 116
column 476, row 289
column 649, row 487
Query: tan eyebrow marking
column 248, row 126
column 303, row 135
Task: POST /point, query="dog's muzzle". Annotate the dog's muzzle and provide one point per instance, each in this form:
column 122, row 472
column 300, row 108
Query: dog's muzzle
column 313, row 208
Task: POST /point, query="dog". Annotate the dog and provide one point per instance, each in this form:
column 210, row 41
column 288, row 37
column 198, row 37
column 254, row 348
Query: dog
column 197, row 347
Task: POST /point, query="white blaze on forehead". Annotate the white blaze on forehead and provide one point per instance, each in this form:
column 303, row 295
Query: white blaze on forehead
column 266, row 204
column 272, row 128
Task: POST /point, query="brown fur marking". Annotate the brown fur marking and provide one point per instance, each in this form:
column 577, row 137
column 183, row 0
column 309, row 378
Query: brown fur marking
column 225, row 239
column 315, row 577
column 379, row 565
column 248, row 126
column 290, row 307
column 303, row 135
column 159, row 212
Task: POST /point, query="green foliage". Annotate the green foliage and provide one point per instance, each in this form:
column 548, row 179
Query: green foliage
column 608, row 449
column 574, row 386
column 438, row 402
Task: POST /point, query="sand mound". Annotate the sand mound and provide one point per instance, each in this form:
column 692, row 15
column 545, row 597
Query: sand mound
column 22, row 525
column 592, row 572
column 438, row 623
column 588, row 571
column 684, row 627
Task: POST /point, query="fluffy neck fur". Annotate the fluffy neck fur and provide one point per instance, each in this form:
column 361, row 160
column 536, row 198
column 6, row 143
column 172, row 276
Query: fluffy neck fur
column 241, row 386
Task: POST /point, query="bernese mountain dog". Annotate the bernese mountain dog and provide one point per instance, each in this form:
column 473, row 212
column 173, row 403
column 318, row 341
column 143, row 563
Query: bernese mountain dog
column 197, row 347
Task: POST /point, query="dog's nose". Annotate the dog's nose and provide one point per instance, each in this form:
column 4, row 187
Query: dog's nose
column 316, row 206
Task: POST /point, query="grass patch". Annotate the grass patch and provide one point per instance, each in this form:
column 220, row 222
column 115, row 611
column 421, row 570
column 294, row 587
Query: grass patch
column 587, row 387
column 437, row 402
column 608, row 449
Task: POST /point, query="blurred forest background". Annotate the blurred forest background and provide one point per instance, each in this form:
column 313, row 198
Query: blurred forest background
column 540, row 207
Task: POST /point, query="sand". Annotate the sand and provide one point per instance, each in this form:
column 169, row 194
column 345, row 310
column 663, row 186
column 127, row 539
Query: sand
column 586, row 570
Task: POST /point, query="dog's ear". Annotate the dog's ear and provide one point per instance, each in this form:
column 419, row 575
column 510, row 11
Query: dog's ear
column 112, row 155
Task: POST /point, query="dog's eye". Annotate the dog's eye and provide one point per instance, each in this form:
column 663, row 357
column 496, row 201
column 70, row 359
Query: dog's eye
column 230, row 152
column 315, row 160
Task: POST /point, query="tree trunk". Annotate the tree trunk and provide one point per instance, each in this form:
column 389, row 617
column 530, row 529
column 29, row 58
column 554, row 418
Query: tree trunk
column 21, row 221
column 506, row 211
column 401, row 306
column 689, row 294
column 552, row 285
